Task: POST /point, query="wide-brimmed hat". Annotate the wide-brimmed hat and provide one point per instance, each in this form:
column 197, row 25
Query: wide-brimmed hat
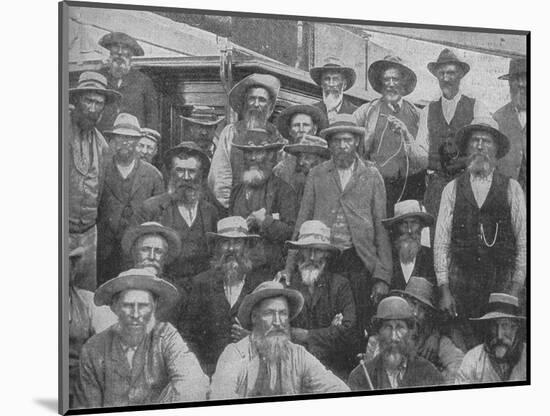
column 125, row 125
column 418, row 288
column 237, row 93
column 342, row 123
column 172, row 238
column 90, row 81
column 333, row 64
column 313, row 234
column 203, row 115
column 231, row 227
column 190, row 148
column 258, row 139
column 517, row 66
column 151, row 134
column 137, row 279
column 266, row 290
column 113, row 38
column 309, row 144
column 407, row 209
column 376, row 70
column 488, row 125
column 447, row 57
column 393, row 307
column 317, row 115
column 501, row 305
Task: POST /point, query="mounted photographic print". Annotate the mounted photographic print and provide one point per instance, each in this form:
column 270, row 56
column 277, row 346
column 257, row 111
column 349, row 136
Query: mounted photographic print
column 261, row 207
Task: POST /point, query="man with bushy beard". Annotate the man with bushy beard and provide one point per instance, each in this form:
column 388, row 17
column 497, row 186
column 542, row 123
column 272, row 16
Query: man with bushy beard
column 253, row 98
column 334, row 79
column 396, row 365
column 326, row 325
column 410, row 257
column 480, row 240
column 209, row 321
column 139, row 95
column 502, row 356
column 129, row 181
column 184, row 209
column 88, row 153
column 267, row 202
column 267, row 363
column 512, row 121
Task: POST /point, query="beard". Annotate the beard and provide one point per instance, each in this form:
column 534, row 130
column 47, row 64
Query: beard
column 392, row 95
column 119, row 67
column 150, row 265
column 256, row 118
column 519, row 99
column 394, row 353
column 343, row 159
column 254, row 176
column 273, row 345
column 408, row 246
column 85, row 120
column 332, row 97
column 310, row 271
column 184, row 191
column 234, row 267
column 480, row 165
column 504, row 351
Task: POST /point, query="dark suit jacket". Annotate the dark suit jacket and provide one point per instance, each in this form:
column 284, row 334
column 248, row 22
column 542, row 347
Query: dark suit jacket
column 508, row 123
column 364, row 204
column 423, row 267
column 346, row 108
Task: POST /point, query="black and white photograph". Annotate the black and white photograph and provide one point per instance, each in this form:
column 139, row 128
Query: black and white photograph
column 261, row 207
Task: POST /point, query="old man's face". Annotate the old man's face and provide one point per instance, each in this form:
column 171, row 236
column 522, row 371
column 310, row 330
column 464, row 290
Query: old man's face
column 124, row 148
column 332, row 83
column 518, row 91
column 258, row 107
column 482, row 150
column 258, row 165
column 503, row 336
column 150, row 253
column 201, row 134
column 301, row 124
column 343, row 148
column 449, row 77
column 134, row 309
column 147, row 149
column 395, row 342
column 408, row 239
column 231, row 258
column 311, row 263
column 88, row 109
column 392, row 85
column 120, row 60
column 186, row 178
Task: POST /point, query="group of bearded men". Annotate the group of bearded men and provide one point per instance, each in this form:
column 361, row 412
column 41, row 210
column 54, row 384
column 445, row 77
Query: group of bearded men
column 294, row 257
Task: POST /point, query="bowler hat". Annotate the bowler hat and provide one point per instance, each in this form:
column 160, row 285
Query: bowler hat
column 333, row 64
column 258, row 139
column 203, row 115
column 488, row 125
column 125, row 125
column 132, row 234
column 447, row 57
column 266, row 290
column 517, row 66
column 342, row 123
column 137, row 279
column 90, row 81
column 231, row 227
column 420, row 289
column 501, row 305
column 238, row 92
column 376, row 70
column 309, row 144
column 393, row 307
column 407, row 209
column 313, row 234
column 190, row 148
column 113, row 38
column 317, row 116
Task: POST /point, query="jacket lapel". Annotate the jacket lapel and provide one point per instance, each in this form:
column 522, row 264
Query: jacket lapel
column 334, row 175
column 140, row 357
column 117, row 359
column 139, row 177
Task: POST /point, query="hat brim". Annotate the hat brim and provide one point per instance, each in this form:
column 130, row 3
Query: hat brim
column 377, row 69
column 349, row 73
column 295, row 149
column 432, row 66
column 317, row 245
column 316, row 114
column 203, row 122
column 329, row 131
column 236, row 95
column 123, row 132
column 107, row 41
column 463, row 135
column 271, row 146
column 426, row 219
column 166, row 293
column 210, row 235
column 172, row 237
column 497, row 315
column 174, row 151
column 425, row 301
column 111, row 96
column 295, row 303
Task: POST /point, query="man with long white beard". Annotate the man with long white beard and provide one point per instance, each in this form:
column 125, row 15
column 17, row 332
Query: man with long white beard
column 267, row 202
column 502, row 356
column 334, row 79
column 267, row 363
column 140, row 360
column 396, row 365
column 209, row 322
column 410, row 257
column 480, row 239
column 140, row 97
column 253, row 98
column 326, row 325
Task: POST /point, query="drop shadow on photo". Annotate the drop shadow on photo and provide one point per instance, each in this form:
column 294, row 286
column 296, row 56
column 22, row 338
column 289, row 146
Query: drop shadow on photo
column 49, row 404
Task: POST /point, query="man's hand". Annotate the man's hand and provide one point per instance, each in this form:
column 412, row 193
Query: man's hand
column 238, row 332
column 397, row 126
column 256, row 217
column 430, row 349
column 447, row 303
column 337, row 320
column 299, row 335
column 379, row 290
column 282, row 276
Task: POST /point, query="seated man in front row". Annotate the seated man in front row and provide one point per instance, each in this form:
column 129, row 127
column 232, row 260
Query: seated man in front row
column 396, row 365
column 139, row 360
column 267, row 363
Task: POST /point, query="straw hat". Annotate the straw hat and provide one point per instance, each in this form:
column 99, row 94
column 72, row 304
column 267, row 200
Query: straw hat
column 501, row 305
column 231, row 227
column 150, row 134
column 203, row 115
column 125, row 125
column 407, row 209
column 309, row 144
column 313, row 234
column 94, row 82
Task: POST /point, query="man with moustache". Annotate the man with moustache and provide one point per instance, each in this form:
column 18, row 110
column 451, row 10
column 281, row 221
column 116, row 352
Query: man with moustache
column 348, row 195
column 267, row 202
column 503, row 355
column 326, row 324
column 184, row 209
column 439, row 122
column 267, row 363
column 253, row 98
column 129, row 181
column 139, row 95
column 480, row 240
column 512, row 121
column 200, row 127
column 88, row 153
column 148, row 146
column 410, row 257
column 396, row 365
column 209, row 322
column 140, row 360
column 334, row 79
column 391, row 124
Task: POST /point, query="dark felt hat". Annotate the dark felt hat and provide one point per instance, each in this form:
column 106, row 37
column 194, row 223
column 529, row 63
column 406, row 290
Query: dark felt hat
column 317, row 115
column 238, row 92
column 393, row 307
column 190, row 148
column 418, row 288
column 447, row 57
column 486, row 124
column 376, row 70
column 114, row 38
column 333, row 64
column 132, row 234
column 90, row 81
column 517, row 66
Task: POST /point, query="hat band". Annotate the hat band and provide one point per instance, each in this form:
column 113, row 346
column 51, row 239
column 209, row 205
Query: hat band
column 92, row 84
column 502, row 307
column 314, row 236
column 343, row 123
column 151, row 137
column 127, row 126
column 232, row 229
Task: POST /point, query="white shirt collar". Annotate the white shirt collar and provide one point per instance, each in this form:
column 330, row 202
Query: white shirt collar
column 126, row 170
column 189, row 214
